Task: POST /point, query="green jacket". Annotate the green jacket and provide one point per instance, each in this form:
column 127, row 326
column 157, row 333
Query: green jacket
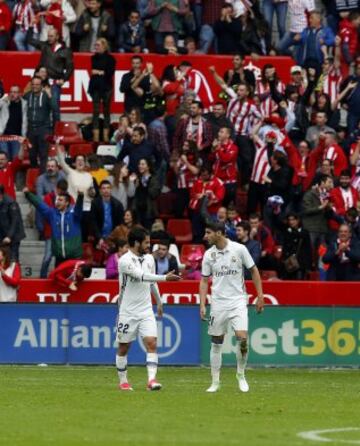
column 314, row 219
column 175, row 17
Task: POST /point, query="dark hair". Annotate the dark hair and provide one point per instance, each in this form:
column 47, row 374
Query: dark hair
column 215, row 226
column 168, row 74
column 140, row 130
column 345, row 173
column 62, row 185
column 185, row 63
column 254, row 215
column 66, row 195
column 86, row 270
column 293, row 214
column 2, row 152
column 133, row 11
column 134, row 215
column 116, row 172
column 105, row 182
column 149, row 163
column 245, row 225
column 206, row 167
column 137, row 234
column 116, row 244
column 165, row 242
column 137, row 57
column 7, row 255
column 323, row 178
column 199, row 104
column 280, row 158
column 354, row 15
column 352, row 212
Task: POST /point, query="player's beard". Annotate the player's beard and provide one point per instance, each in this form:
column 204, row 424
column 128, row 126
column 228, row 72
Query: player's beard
column 143, row 251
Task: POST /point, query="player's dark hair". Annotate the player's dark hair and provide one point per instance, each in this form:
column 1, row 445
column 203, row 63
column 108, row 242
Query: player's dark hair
column 215, row 226
column 245, row 225
column 137, row 234
column 86, row 270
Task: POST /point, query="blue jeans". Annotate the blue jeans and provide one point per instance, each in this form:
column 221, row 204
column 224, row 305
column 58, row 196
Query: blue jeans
column 11, row 148
column 206, row 38
column 46, row 259
column 21, row 41
column 280, row 9
column 56, row 93
column 286, row 42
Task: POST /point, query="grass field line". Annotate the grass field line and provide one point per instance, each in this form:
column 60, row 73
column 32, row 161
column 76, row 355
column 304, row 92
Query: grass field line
column 320, row 435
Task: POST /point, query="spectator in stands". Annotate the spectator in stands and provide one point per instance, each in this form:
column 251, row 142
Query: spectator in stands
column 121, row 133
column 183, row 110
column 11, row 224
column 228, row 31
column 352, row 218
column 170, row 46
column 139, row 148
column 186, row 166
column 164, row 261
column 135, row 120
column 313, row 132
column 278, row 179
column 194, row 128
column 255, row 36
column 59, row 15
column 5, row 24
column 50, row 199
column 315, row 42
column 47, row 182
column 95, row 22
column 41, row 108
column 238, row 74
column 122, row 231
column 70, row 274
column 225, row 153
column 166, row 18
column 280, row 9
column 123, row 184
column 297, row 246
column 334, row 152
column 261, row 233
column 210, row 13
column 343, row 256
column 243, row 230
column 132, row 35
column 326, row 168
column 147, row 191
column 101, row 86
column 106, row 213
column 10, row 275
column 24, row 17
column 131, row 99
column 9, row 169
column 158, row 232
column 317, row 209
column 65, row 222
column 352, row 98
column 348, row 33
column 96, row 170
column 217, row 118
column 119, row 248
column 58, row 60
column 13, row 121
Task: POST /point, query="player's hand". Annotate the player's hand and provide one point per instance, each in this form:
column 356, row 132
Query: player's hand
column 73, row 286
column 203, row 312
column 160, row 311
column 260, row 304
column 172, row 277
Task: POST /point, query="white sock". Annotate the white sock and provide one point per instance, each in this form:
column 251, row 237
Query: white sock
column 241, row 355
column 151, row 365
column 121, row 366
column 215, row 361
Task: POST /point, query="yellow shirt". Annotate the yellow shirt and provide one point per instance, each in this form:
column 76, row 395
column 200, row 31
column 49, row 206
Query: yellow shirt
column 99, row 175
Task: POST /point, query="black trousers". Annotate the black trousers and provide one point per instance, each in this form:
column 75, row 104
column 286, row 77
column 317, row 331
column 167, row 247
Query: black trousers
column 256, row 196
column 245, row 157
column 39, row 150
column 105, row 99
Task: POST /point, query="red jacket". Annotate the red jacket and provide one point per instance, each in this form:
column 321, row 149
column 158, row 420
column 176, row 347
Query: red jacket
column 65, row 273
column 5, row 18
column 336, row 154
column 225, row 166
column 7, row 176
column 216, row 190
column 13, row 280
column 349, row 35
column 339, row 205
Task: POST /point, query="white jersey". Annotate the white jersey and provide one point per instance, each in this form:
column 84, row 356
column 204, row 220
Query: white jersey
column 135, row 293
column 226, row 268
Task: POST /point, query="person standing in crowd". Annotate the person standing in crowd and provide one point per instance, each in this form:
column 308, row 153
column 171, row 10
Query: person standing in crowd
column 164, row 261
column 11, row 224
column 70, row 274
column 65, row 222
column 123, row 184
column 271, row 7
column 132, row 35
column 217, row 118
column 94, row 23
column 9, row 169
column 58, row 60
column 122, row 231
column 60, row 15
column 263, row 235
column 10, row 275
column 118, row 248
column 343, row 256
column 101, row 87
column 41, row 108
column 5, row 25
column 24, row 18
column 243, row 230
column 131, row 99
column 13, row 121
column 228, row 31
column 106, row 213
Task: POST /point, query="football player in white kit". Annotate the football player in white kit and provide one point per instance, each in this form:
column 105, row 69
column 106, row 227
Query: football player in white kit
column 224, row 262
column 137, row 281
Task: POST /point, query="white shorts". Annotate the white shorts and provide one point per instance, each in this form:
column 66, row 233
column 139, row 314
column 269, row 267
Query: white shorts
column 220, row 320
column 128, row 327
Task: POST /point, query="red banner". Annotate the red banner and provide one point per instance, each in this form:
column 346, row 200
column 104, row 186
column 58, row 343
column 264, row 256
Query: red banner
column 17, row 68
column 187, row 292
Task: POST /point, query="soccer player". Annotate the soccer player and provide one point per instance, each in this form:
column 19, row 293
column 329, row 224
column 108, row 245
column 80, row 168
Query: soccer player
column 137, row 282
column 225, row 261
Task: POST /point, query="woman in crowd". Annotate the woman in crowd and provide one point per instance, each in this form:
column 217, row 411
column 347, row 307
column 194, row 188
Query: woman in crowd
column 123, row 184
column 135, row 120
column 121, row 133
column 10, row 275
column 119, row 248
column 122, row 231
column 100, row 86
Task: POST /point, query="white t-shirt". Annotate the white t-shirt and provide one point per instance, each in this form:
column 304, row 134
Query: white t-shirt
column 135, row 293
column 226, row 269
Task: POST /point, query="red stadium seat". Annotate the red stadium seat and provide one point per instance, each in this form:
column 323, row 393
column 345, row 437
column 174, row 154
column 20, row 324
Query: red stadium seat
column 52, row 151
column 165, row 203
column 69, row 132
column 80, row 149
column 181, row 229
column 31, row 177
column 189, row 249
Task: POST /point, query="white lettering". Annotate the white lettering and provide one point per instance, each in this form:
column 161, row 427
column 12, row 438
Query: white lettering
column 100, row 296
column 119, row 97
column 54, row 328
column 288, row 333
column 80, row 338
column 81, row 84
column 64, row 332
column 43, row 296
column 26, row 333
column 263, row 341
column 96, row 332
column 43, row 332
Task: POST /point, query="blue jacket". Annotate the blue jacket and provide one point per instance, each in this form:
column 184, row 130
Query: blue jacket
column 324, row 33
column 343, row 270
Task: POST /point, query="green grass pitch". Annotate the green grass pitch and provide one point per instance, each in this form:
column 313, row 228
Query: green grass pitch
column 64, row 406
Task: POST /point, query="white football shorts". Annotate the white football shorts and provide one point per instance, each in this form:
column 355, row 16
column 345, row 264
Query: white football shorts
column 220, row 319
column 128, row 327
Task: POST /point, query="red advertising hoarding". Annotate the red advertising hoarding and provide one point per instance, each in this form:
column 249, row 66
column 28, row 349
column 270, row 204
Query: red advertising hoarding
column 187, row 292
column 17, row 68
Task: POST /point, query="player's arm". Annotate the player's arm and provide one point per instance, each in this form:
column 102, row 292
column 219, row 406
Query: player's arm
column 156, row 293
column 136, row 273
column 203, row 289
column 255, row 275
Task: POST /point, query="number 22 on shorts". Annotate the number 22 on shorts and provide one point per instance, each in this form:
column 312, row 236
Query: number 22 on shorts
column 123, row 328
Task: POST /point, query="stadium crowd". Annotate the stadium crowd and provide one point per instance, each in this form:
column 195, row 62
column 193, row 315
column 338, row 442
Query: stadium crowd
column 278, row 163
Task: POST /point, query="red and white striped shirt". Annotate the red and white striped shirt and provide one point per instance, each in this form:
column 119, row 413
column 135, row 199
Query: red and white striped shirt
column 23, row 15
column 268, row 105
column 225, row 166
column 297, row 14
column 261, row 164
column 336, row 154
column 197, row 82
column 242, row 115
column 185, row 178
column 331, row 83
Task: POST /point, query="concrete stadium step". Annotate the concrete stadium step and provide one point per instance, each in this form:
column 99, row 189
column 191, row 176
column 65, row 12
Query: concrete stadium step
column 31, row 255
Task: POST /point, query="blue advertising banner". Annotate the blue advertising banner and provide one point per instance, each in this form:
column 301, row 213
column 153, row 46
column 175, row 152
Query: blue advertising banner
column 85, row 334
